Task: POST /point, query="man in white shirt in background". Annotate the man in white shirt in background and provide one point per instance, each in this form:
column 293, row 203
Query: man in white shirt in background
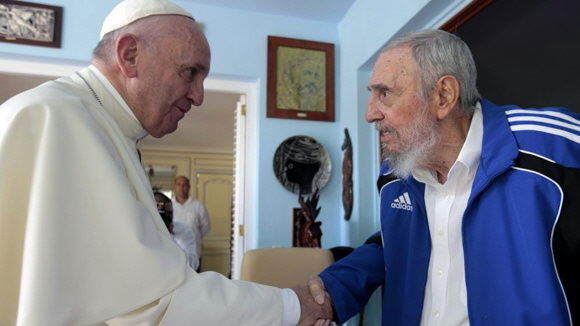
column 190, row 212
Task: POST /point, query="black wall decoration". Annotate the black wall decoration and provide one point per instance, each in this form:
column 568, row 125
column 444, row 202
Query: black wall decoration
column 302, row 165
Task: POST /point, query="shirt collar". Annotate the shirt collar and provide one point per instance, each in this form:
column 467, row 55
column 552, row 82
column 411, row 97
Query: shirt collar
column 174, row 200
column 471, row 151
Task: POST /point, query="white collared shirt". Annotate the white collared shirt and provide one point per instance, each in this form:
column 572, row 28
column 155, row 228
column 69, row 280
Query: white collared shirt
column 445, row 301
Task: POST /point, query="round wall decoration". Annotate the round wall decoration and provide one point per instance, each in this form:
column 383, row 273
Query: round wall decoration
column 302, row 165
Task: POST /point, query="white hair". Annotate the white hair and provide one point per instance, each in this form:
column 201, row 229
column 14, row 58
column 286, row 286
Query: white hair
column 438, row 53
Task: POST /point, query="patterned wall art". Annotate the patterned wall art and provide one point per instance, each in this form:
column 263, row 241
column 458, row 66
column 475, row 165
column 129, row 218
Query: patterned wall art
column 30, row 23
column 302, row 165
column 300, row 79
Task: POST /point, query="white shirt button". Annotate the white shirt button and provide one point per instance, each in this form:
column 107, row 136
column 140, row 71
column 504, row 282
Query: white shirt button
column 436, row 314
column 440, row 233
column 439, row 273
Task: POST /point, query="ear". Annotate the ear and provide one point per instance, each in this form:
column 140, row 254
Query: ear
column 445, row 96
column 126, row 52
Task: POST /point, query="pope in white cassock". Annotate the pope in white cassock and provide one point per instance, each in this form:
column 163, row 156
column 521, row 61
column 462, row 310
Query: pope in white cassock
column 81, row 241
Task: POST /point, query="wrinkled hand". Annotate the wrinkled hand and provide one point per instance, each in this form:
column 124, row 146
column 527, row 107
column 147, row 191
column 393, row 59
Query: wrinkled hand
column 315, row 303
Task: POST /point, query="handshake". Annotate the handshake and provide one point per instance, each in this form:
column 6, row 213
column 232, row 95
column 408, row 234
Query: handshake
column 315, row 303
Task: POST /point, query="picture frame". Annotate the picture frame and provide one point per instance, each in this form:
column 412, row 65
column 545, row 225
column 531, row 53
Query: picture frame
column 300, row 79
column 30, row 23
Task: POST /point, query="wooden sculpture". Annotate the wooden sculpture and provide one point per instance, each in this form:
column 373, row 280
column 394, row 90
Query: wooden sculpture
column 309, row 232
column 347, row 194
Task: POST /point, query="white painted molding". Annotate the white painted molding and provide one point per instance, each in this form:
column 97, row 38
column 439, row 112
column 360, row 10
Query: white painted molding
column 451, row 10
column 39, row 68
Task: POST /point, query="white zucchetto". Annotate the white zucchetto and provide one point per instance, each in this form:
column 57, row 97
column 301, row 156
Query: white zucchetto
column 129, row 11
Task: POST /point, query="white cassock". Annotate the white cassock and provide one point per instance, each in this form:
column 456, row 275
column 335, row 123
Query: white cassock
column 81, row 241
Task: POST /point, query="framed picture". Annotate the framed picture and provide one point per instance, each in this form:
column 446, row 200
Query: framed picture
column 30, row 23
column 300, row 79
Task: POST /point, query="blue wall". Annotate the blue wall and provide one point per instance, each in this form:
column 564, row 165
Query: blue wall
column 238, row 40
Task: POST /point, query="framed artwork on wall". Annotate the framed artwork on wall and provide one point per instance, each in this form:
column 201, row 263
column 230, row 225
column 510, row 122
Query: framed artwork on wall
column 30, row 23
column 300, row 79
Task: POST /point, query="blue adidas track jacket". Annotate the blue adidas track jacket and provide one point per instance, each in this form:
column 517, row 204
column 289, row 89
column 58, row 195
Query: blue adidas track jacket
column 521, row 231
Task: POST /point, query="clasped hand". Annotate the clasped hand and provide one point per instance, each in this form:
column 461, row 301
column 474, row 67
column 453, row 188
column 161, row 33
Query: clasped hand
column 315, row 303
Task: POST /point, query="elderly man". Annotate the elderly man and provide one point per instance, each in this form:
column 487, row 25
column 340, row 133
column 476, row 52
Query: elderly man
column 81, row 241
column 479, row 203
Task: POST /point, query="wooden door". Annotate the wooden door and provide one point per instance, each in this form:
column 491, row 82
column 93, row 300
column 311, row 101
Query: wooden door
column 214, row 190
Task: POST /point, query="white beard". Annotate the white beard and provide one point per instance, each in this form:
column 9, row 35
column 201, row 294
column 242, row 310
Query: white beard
column 417, row 144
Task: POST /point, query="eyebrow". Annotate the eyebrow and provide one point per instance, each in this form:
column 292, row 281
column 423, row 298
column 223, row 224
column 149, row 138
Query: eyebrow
column 198, row 66
column 378, row 87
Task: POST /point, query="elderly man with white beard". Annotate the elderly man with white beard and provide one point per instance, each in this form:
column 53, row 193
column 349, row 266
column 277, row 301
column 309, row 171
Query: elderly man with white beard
column 479, row 222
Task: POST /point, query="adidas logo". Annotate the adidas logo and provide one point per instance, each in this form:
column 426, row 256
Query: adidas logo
column 403, row 202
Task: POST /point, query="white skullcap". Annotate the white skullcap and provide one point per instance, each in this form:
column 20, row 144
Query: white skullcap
column 129, row 11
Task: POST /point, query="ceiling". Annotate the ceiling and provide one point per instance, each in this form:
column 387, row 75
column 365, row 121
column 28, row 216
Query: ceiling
column 322, row 10
column 208, row 128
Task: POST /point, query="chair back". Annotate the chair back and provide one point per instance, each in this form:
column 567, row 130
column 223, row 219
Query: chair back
column 284, row 267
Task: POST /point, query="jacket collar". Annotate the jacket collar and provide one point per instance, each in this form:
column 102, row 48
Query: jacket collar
column 499, row 148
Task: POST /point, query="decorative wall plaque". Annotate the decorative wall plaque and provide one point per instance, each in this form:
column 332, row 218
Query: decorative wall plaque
column 302, row 165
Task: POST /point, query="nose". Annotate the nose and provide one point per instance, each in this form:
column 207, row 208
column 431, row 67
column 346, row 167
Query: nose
column 195, row 94
column 373, row 114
